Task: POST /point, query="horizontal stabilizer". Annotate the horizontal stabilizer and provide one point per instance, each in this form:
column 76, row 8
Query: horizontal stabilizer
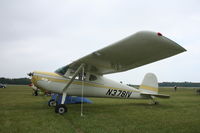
column 156, row 95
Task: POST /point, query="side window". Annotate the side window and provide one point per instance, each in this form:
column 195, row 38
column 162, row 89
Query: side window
column 92, row 77
column 80, row 76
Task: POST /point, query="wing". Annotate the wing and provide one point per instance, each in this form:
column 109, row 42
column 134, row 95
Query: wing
column 136, row 50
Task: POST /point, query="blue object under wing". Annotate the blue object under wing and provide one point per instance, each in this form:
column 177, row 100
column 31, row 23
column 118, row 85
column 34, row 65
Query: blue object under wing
column 70, row 99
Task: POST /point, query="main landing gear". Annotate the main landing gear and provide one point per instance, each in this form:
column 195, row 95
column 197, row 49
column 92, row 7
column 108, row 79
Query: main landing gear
column 61, row 109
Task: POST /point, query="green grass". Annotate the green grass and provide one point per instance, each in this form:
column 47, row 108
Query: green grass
column 20, row 112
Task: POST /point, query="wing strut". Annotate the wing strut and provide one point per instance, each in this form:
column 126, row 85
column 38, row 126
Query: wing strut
column 61, row 109
column 72, row 79
column 82, row 91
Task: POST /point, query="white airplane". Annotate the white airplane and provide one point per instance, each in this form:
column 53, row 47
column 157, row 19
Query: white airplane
column 85, row 75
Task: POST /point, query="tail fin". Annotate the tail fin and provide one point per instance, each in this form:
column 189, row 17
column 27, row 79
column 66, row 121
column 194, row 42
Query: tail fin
column 149, row 84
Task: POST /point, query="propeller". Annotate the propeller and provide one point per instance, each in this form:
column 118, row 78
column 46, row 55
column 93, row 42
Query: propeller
column 30, row 74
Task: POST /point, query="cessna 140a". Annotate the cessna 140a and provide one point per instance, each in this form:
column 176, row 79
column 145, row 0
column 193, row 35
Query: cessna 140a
column 136, row 50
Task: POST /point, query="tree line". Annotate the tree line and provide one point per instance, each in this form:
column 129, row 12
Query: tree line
column 15, row 81
column 179, row 84
column 26, row 81
column 172, row 84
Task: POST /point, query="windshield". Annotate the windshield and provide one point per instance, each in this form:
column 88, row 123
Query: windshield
column 62, row 70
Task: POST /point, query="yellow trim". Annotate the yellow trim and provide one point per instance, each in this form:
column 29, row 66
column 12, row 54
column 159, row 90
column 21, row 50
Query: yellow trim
column 52, row 79
column 74, row 82
column 48, row 73
column 148, row 88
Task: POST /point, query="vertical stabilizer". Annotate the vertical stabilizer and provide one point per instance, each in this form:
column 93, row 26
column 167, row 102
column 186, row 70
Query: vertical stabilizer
column 149, row 84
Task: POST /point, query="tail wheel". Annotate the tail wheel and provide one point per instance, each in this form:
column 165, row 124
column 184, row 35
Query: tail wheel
column 61, row 109
column 156, row 102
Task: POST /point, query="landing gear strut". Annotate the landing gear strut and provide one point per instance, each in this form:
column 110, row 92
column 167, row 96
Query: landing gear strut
column 61, row 108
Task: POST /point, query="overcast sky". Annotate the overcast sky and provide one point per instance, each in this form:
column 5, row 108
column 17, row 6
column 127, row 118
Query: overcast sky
column 47, row 34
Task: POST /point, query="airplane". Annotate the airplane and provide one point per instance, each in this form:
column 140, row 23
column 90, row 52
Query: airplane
column 85, row 76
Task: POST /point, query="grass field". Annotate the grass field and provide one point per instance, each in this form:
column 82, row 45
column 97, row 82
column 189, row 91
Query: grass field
column 20, row 112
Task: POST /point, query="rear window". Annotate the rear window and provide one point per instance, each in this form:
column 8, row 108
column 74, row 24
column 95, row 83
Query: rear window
column 92, row 77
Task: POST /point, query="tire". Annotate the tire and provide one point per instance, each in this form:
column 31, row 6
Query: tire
column 52, row 103
column 61, row 109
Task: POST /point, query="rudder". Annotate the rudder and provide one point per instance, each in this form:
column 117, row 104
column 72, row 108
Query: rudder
column 149, row 84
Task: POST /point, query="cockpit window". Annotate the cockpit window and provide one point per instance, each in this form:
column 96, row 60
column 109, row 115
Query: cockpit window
column 67, row 72
column 62, row 70
column 92, row 77
column 81, row 77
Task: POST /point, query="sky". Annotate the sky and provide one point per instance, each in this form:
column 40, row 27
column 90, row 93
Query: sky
column 47, row 34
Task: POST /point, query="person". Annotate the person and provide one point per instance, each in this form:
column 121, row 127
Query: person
column 35, row 92
column 175, row 88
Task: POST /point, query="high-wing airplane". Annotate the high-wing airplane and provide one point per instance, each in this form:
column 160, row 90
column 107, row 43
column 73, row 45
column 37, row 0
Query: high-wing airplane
column 85, row 76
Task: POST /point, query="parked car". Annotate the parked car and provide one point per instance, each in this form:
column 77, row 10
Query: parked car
column 2, row 86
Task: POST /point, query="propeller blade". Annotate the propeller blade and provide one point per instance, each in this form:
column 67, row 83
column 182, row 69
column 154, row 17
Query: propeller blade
column 30, row 74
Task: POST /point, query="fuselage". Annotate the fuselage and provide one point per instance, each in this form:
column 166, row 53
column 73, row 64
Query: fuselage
column 92, row 87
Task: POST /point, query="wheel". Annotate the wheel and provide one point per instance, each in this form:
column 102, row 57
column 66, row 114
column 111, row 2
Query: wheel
column 156, row 103
column 61, row 109
column 52, row 103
